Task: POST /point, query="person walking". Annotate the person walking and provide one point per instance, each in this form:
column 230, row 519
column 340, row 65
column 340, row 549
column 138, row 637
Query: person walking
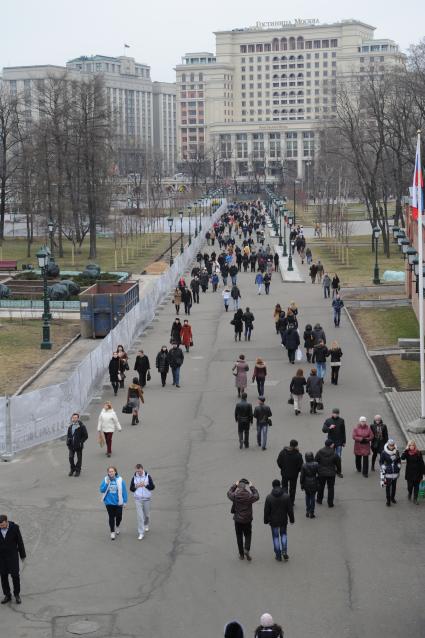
column 114, row 372
column 276, row 316
column 334, row 428
column 142, row 367
column 253, row 260
column 134, row 396
column 259, row 280
column 363, row 436
column 75, row 439
column 380, row 437
column 233, row 272
column 296, row 389
column 320, row 271
column 318, row 334
column 309, row 483
column 108, row 423
column 329, row 467
column 267, row 281
column 162, row 364
column 177, row 299
column 235, row 294
column 176, row 331
column 123, row 359
column 262, row 414
column 243, row 417
column 187, row 300
column 326, row 283
column 114, row 491
column 313, row 273
column 291, row 341
column 259, row 375
column 309, row 256
column 308, row 337
column 415, row 470
column 142, row 485
column 186, row 335
column 277, row 509
column 12, row 549
column 194, row 286
column 248, row 319
column 237, row 322
column 268, row 628
column 175, row 360
column 226, row 298
column 335, row 354
column 276, row 259
column 337, row 305
column 290, row 462
column 390, row 470
column 335, row 285
column 243, row 494
column 214, row 281
column 204, row 279
column 240, row 368
column 314, row 387
column 320, row 352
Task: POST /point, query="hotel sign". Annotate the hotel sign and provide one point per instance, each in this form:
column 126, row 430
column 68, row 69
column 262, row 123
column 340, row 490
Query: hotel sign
column 287, row 23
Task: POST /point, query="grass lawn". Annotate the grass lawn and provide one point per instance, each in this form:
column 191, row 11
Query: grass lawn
column 381, row 327
column 20, row 346
column 407, row 373
column 359, row 270
column 141, row 252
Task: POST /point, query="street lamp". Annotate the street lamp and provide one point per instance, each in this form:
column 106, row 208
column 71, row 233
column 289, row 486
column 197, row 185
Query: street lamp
column 170, row 225
column 290, row 222
column 195, row 204
column 189, row 210
column 51, row 227
column 283, row 212
column 412, row 257
column 296, row 181
column 43, row 257
column 376, row 232
column 181, row 231
column 200, row 215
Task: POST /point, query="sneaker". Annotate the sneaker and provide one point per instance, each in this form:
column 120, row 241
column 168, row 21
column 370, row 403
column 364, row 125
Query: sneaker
column 285, row 557
column 279, row 558
column 112, row 536
column 146, row 528
column 117, row 531
column 140, row 537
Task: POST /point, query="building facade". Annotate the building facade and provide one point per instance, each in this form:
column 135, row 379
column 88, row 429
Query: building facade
column 260, row 101
column 164, row 123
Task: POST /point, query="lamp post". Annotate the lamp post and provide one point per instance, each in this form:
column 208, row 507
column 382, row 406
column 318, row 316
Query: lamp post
column 189, row 210
column 296, row 181
column 51, row 227
column 290, row 222
column 376, row 232
column 43, row 256
column 280, row 225
column 181, row 231
column 200, row 215
column 195, row 204
column 284, row 212
column 170, row 225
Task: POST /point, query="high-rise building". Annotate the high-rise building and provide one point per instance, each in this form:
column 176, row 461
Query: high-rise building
column 260, row 101
column 164, row 123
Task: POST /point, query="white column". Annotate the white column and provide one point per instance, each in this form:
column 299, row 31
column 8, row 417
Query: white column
column 300, row 151
column 249, row 138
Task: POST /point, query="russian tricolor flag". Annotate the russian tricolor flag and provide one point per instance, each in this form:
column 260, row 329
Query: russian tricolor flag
column 418, row 184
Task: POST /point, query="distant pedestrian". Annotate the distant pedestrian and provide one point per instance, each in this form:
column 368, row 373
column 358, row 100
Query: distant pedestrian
column 142, row 367
column 309, row 340
column 12, row 549
column 240, row 368
column 108, row 423
column 134, row 396
column 233, row 272
column 226, row 298
column 267, row 282
column 415, row 470
column 237, row 322
column 276, row 316
column 320, row 353
column 262, row 414
column 290, row 462
column 318, row 334
column 214, row 282
column 268, row 628
column 309, row 483
column 337, row 305
column 235, row 293
column 114, row 497
column 335, row 285
column 335, row 354
column 123, row 358
column 243, row 494
column 380, row 438
column 390, row 470
column 75, row 439
column 203, row 280
column 162, row 364
column 363, row 436
column 329, row 467
column 243, row 417
column 187, row 300
column 296, row 389
column 248, row 319
column 259, row 280
column 175, row 360
column 259, row 375
column 177, row 299
column 114, row 372
column 314, row 387
column 175, row 334
column 291, row 341
column 326, row 283
column 195, row 285
column 334, row 428
column 186, row 335
column 313, row 273
column 277, row 509
column 320, row 271
column 308, row 256
column 142, row 485
column 276, row 262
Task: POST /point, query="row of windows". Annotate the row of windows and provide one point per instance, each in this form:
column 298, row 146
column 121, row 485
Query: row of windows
column 191, row 77
column 289, row 43
column 284, row 58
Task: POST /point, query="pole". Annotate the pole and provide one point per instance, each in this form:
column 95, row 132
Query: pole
column 280, row 227
column 181, row 234
column 376, row 279
column 46, row 344
column 295, row 220
column 285, row 251
column 421, row 275
column 290, row 266
column 171, row 249
column 190, row 229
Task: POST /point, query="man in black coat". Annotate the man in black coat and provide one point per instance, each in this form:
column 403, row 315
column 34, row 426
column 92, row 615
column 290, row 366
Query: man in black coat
column 277, row 509
column 334, row 428
column 194, row 284
column 175, row 360
column 11, row 548
column 290, row 461
column 329, row 466
column 291, row 341
column 75, row 438
column 187, row 300
column 243, row 417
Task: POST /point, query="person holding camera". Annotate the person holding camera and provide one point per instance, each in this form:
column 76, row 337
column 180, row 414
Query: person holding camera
column 243, row 494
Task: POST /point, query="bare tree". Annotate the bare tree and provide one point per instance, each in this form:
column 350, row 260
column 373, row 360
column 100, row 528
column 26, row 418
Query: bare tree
column 10, row 117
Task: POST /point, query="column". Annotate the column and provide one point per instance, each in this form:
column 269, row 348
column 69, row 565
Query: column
column 300, row 151
column 250, row 150
column 266, row 152
column 233, row 154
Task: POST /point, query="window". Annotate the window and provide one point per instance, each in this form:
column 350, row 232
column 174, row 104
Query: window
column 259, row 48
column 243, row 48
column 334, row 43
column 325, row 44
column 283, row 44
column 316, row 44
column 242, row 144
column 300, row 42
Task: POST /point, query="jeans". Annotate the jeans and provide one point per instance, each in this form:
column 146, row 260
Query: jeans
column 260, row 387
column 413, row 486
column 290, row 483
column 337, row 316
column 235, row 303
column 338, row 450
column 224, row 281
column 5, row 583
column 280, row 541
column 262, row 434
column 310, row 502
column 330, row 481
column 243, row 434
column 226, row 304
column 243, row 531
column 321, row 370
column 248, row 331
column 326, row 291
column 260, row 288
column 362, row 464
column 267, row 287
column 390, row 488
column 114, row 516
column 233, row 278
column 176, row 375
column 75, row 467
column 143, row 507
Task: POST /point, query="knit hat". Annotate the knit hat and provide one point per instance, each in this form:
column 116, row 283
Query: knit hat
column 266, row 620
column 335, row 411
column 391, row 442
column 362, row 419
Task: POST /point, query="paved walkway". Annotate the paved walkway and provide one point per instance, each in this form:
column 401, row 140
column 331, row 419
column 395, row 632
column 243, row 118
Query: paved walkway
column 407, row 408
column 353, row 572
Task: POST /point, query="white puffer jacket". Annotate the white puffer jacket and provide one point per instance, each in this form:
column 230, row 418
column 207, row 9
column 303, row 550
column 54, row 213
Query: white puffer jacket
column 108, row 421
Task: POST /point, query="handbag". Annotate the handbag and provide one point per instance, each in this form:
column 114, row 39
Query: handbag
column 148, row 376
column 191, row 343
column 291, row 400
column 235, row 371
column 101, row 439
column 126, row 366
column 269, row 423
column 127, row 408
column 319, row 405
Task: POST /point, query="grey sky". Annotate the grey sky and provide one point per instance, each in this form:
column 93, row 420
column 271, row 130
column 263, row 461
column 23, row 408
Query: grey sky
column 159, row 33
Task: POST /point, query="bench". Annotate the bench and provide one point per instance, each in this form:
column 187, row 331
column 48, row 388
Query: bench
column 8, row 264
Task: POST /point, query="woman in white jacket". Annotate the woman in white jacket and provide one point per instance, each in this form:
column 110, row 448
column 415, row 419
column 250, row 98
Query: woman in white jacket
column 107, row 424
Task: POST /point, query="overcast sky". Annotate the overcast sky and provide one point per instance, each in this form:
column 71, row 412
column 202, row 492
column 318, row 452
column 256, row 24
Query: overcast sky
column 160, row 32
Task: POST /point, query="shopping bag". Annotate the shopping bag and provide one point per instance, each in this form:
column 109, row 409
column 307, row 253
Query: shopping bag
column 299, row 355
column 101, row 439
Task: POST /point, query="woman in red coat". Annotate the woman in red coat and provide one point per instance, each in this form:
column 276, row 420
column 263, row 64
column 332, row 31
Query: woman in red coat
column 186, row 335
column 363, row 436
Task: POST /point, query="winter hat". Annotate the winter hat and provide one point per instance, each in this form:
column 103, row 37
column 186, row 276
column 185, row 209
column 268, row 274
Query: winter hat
column 362, row 419
column 266, row 620
column 391, row 442
column 328, row 442
column 335, row 411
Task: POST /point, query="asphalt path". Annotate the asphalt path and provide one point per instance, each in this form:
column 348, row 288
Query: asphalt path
column 355, row 571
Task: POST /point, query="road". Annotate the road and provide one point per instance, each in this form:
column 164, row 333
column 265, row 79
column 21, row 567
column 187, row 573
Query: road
column 353, row 572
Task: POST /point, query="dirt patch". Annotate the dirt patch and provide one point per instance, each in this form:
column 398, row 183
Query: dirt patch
column 397, row 373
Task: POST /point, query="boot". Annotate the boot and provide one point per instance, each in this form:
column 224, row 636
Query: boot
column 236, row 337
column 308, row 357
column 311, row 408
column 133, row 420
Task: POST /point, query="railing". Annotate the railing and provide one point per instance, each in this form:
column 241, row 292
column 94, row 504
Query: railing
column 37, row 304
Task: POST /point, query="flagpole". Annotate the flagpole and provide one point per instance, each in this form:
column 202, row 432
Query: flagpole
column 421, row 275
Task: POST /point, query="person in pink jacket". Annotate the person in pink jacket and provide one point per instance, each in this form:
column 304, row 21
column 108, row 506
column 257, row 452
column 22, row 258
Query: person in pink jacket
column 362, row 435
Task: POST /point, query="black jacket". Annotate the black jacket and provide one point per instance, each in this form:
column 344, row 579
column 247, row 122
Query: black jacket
column 415, row 466
column 336, row 355
column 380, row 436
column 11, row 548
column 314, row 387
column 76, row 442
column 329, row 462
column 309, row 339
column 319, row 354
column 309, row 477
column 114, row 368
column 275, row 631
column 175, row 357
column 162, row 362
column 336, row 434
column 235, row 292
column 242, row 498
column 243, row 412
column 142, row 364
column 291, row 339
column 248, row 319
column 175, row 332
column 233, row 270
column 262, row 413
column 186, row 296
column 290, row 462
column 319, row 334
column 297, row 385
column 194, row 284
column 278, row 508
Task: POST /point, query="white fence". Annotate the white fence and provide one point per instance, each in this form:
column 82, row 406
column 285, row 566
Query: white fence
column 42, row 415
